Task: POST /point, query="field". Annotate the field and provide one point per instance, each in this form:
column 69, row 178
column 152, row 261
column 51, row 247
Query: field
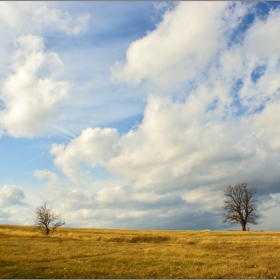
column 101, row 253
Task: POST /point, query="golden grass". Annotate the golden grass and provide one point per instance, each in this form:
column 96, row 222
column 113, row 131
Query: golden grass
column 101, row 253
column 21, row 233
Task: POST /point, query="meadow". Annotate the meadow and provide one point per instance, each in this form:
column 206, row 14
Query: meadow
column 107, row 253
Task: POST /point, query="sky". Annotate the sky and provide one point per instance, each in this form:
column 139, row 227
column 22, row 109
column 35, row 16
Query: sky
column 139, row 115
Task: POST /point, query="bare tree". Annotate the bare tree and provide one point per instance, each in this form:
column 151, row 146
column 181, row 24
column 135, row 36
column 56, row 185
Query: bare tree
column 241, row 205
column 46, row 221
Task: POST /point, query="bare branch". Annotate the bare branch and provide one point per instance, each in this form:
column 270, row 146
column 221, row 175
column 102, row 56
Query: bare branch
column 46, row 221
column 240, row 205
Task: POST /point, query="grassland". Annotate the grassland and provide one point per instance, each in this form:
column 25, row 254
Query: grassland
column 101, row 253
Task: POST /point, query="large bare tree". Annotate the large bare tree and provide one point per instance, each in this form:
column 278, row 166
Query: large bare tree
column 46, row 221
column 241, row 205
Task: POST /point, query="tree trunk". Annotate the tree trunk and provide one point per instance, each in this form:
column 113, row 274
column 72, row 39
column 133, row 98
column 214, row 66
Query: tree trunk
column 47, row 230
column 244, row 227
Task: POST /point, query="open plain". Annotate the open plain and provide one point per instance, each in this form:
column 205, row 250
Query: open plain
column 109, row 253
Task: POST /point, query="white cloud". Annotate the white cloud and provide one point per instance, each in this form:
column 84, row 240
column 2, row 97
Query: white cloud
column 17, row 215
column 10, row 13
column 194, row 163
column 273, row 201
column 94, row 147
column 263, row 38
column 172, row 167
column 32, row 17
column 32, row 93
column 183, row 154
column 205, row 198
column 55, row 18
column 268, row 122
column 54, row 189
column 11, row 195
column 152, row 156
column 180, row 48
column 111, row 195
column 153, row 198
column 46, row 174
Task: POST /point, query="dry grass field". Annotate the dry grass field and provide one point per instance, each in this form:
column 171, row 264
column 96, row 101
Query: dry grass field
column 101, row 253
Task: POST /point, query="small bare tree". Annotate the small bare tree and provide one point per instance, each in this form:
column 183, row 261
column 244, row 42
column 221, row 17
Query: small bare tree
column 46, row 221
column 240, row 205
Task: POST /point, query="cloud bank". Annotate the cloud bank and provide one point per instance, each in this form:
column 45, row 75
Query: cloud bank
column 184, row 153
column 210, row 75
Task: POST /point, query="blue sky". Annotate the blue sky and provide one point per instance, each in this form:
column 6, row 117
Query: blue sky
column 138, row 114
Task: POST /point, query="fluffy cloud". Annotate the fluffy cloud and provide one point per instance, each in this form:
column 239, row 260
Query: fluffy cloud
column 268, row 122
column 94, row 147
column 196, row 161
column 179, row 159
column 195, row 151
column 212, row 134
column 11, row 195
column 31, row 94
column 263, row 39
column 111, row 195
column 183, row 44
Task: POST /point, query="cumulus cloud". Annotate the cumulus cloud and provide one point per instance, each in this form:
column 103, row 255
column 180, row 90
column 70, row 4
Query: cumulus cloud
column 152, row 157
column 94, row 147
column 176, row 50
column 11, row 195
column 176, row 163
column 32, row 93
column 262, row 39
column 213, row 133
column 268, row 122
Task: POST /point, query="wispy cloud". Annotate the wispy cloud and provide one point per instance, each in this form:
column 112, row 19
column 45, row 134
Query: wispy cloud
column 41, row 16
